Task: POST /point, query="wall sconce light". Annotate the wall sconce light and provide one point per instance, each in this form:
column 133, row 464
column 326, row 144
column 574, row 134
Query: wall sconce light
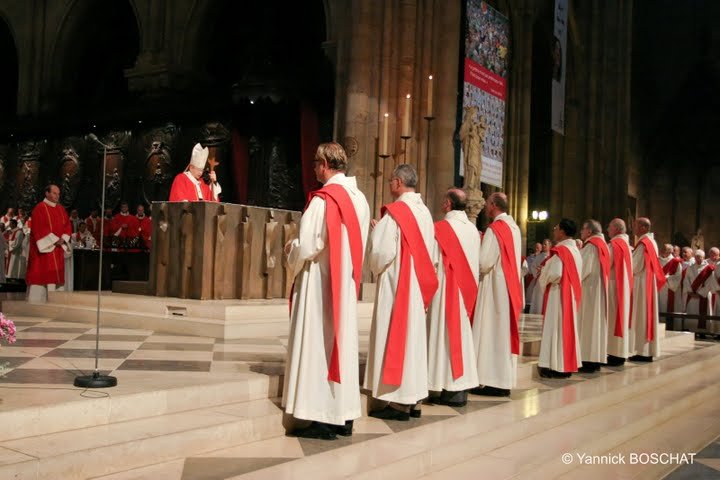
column 538, row 216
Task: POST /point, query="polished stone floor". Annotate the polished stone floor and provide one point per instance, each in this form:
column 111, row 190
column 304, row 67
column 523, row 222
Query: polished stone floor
column 39, row 369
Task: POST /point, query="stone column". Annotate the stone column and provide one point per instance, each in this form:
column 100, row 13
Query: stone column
column 440, row 164
column 518, row 123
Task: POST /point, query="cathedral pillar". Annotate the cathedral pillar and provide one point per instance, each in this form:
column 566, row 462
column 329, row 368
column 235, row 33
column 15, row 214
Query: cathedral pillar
column 518, row 144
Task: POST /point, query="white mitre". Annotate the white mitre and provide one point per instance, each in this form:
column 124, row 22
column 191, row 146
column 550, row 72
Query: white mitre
column 199, row 156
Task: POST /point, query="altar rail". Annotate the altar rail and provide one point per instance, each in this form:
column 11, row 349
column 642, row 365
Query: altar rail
column 207, row 250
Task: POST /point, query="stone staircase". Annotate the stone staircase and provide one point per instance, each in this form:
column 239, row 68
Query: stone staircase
column 115, row 433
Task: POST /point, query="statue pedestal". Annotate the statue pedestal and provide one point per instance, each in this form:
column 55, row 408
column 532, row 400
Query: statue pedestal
column 207, row 250
column 475, row 203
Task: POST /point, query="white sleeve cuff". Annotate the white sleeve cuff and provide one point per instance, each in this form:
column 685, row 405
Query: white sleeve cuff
column 217, row 189
column 47, row 243
column 66, row 237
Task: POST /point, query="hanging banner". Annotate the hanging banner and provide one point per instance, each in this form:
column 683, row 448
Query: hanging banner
column 558, row 71
column 482, row 131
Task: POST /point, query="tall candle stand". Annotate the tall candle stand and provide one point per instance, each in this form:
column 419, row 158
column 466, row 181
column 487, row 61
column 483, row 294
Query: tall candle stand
column 429, row 120
column 404, row 148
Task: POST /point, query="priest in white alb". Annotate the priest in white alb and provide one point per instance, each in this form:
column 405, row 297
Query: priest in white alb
column 560, row 280
column 321, row 371
column 619, row 293
column 697, row 288
column 669, row 297
column 593, row 318
column 500, row 302
column 400, row 257
column 451, row 355
column 537, row 294
column 647, row 282
column 16, row 261
column 714, row 258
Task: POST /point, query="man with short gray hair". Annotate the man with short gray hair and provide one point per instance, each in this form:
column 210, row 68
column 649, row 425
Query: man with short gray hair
column 451, row 355
column 400, row 257
column 619, row 293
column 593, row 315
column 697, row 288
column 648, row 279
column 500, row 302
column 669, row 296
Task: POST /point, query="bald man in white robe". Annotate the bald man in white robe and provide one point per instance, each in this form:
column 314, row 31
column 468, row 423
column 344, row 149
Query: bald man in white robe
column 499, row 304
column 451, row 354
column 648, row 279
column 560, row 353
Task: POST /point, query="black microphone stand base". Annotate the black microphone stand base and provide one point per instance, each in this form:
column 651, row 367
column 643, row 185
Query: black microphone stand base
column 95, row 381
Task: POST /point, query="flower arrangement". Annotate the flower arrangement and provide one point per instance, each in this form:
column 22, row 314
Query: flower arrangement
column 7, row 329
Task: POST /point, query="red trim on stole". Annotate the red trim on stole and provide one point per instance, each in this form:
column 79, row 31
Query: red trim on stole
column 652, row 269
column 413, row 247
column 512, row 279
column 669, row 269
column 459, row 280
column 339, row 210
column 623, row 265
column 570, row 287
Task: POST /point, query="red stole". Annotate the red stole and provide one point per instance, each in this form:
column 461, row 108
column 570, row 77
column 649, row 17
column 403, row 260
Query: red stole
column 412, row 246
column 459, row 279
column 669, row 269
column 623, row 264
column 699, row 282
column 339, row 210
column 570, row 287
column 512, row 279
column 652, row 269
column 604, row 258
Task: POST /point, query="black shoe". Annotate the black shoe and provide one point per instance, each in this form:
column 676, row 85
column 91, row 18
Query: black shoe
column 321, row 431
column 548, row 373
column 614, row 361
column 415, row 413
column 344, row 430
column 444, row 401
column 389, row 413
column 490, row 391
column 589, row 367
column 544, row 373
column 640, row 358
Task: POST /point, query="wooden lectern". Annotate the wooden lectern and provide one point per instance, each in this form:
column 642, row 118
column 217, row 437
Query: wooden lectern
column 208, row 250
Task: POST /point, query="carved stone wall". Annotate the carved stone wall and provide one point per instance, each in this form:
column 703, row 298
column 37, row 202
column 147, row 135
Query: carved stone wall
column 206, row 250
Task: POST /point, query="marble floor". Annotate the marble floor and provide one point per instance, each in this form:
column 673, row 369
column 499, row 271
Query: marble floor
column 39, row 370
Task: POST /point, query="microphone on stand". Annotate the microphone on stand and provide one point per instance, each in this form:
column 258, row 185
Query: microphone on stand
column 97, row 380
column 95, row 139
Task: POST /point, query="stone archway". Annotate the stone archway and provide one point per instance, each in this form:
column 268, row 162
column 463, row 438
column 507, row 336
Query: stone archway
column 264, row 69
column 9, row 78
column 95, row 44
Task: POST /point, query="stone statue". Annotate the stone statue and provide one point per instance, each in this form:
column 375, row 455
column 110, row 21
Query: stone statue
column 186, row 249
column 698, row 241
column 158, row 171
column 245, row 235
column 219, row 258
column 472, row 136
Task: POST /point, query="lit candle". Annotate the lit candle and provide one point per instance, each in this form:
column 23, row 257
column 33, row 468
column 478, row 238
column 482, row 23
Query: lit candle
column 406, row 118
column 384, row 144
column 430, row 97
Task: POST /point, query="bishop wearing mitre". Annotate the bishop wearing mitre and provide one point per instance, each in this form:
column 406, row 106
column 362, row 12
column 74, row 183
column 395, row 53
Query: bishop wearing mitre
column 189, row 185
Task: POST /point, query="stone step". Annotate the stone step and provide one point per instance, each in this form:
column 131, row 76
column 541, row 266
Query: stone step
column 432, row 448
column 102, row 450
column 596, row 433
column 65, row 409
column 219, row 319
column 686, row 432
